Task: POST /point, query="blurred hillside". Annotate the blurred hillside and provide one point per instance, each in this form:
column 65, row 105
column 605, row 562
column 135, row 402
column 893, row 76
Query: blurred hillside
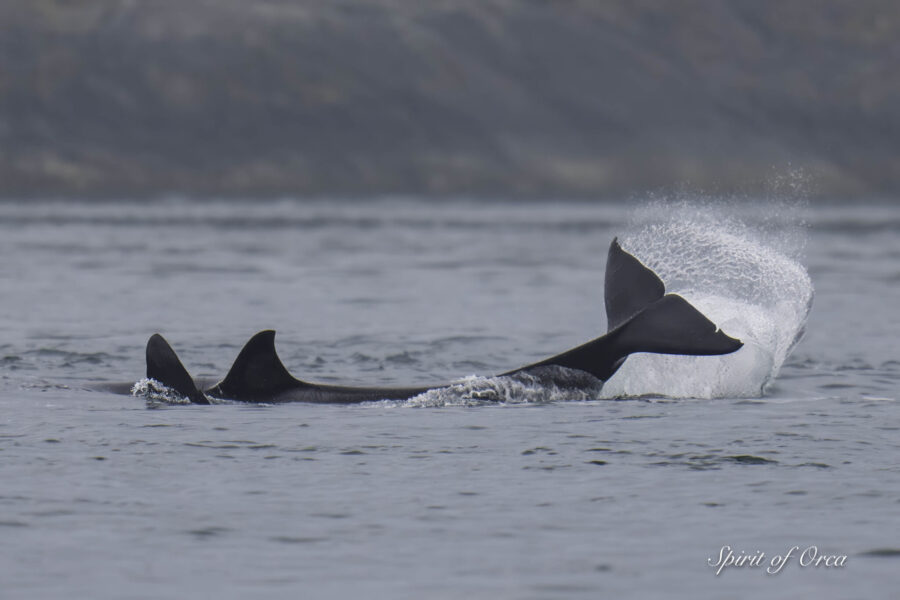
column 499, row 97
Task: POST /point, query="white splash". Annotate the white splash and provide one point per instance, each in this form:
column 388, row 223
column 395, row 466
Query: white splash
column 158, row 394
column 737, row 276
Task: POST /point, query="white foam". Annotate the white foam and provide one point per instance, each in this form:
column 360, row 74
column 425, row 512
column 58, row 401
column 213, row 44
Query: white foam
column 159, row 394
column 549, row 384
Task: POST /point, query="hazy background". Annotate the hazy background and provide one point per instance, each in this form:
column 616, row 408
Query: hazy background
column 485, row 97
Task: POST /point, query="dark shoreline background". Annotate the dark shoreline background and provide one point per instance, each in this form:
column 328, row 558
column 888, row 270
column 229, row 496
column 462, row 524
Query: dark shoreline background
column 111, row 98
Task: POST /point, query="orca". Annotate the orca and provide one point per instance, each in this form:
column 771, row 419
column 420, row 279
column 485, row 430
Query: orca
column 641, row 317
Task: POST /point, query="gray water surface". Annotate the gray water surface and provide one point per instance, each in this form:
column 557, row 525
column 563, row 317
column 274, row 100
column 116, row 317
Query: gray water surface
column 551, row 496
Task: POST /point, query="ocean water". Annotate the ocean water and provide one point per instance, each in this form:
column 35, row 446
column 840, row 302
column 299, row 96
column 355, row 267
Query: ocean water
column 492, row 488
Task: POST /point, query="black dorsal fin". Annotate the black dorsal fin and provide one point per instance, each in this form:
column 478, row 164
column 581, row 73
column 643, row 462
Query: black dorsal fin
column 257, row 373
column 163, row 366
column 630, row 286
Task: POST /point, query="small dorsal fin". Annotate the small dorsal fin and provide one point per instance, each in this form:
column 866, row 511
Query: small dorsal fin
column 257, row 372
column 163, row 366
column 630, row 286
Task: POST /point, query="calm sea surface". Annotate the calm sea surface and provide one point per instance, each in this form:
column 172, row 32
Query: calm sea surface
column 548, row 493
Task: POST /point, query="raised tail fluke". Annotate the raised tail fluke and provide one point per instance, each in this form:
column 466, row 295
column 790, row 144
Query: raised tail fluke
column 629, row 286
column 163, row 366
column 668, row 326
column 257, row 373
column 656, row 321
column 642, row 318
column 671, row 325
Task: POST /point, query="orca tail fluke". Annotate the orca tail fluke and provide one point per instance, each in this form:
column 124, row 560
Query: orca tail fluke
column 629, row 286
column 164, row 366
column 641, row 317
column 651, row 320
column 672, row 325
column 668, row 326
column 257, row 372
